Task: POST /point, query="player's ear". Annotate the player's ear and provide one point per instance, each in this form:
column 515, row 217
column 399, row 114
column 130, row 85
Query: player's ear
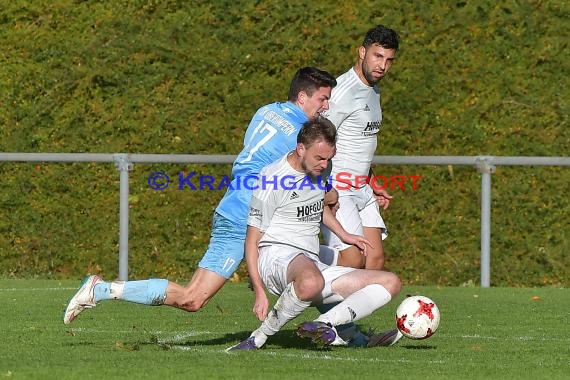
column 302, row 97
column 301, row 149
column 361, row 52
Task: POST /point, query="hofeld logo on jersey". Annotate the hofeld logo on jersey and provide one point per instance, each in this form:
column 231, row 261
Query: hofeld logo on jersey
column 372, row 128
column 314, row 208
column 310, row 213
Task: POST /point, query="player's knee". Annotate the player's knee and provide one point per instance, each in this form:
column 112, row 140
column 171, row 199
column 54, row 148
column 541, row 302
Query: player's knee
column 309, row 287
column 392, row 283
column 193, row 302
column 194, row 306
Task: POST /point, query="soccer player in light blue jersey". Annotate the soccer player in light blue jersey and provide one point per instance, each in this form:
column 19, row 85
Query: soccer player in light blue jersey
column 271, row 133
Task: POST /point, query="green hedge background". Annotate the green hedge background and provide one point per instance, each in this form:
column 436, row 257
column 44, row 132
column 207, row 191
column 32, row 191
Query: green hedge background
column 148, row 76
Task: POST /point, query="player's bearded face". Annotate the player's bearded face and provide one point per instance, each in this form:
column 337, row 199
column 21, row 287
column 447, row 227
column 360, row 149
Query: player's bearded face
column 316, row 158
column 376, row 61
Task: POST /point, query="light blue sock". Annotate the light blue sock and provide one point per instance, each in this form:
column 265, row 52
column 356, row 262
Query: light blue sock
column 146, row 292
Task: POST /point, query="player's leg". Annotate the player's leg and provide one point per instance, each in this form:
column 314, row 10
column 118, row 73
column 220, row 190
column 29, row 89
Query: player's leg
column 360, row 293
column 338, row 252
column 328, row 255
column 373, row 227
column 287, row 307
column 363, row 291
column 220, row 261
column 308, row 283
column 321, row 331
column 196, row 294
column 297, row 281
column 152, row 292
column 94, row 289
column 349, row 333
column 374, row 257
column 335, row 252
column 358, row 214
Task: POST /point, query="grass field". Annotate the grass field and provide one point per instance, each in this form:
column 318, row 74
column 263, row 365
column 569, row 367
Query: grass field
column 494, row 333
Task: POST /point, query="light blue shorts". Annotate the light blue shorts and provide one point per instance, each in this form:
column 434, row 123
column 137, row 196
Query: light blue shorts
column 226, row 249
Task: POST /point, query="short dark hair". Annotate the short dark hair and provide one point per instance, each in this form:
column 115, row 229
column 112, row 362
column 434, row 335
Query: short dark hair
column 309, row 80
column 317, row 129
column 383, row 36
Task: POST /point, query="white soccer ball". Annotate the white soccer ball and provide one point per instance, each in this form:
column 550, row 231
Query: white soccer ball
column 417, row 317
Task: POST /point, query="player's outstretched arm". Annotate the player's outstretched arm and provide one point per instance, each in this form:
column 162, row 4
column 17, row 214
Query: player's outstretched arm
column 334, row 225
column 261, row 303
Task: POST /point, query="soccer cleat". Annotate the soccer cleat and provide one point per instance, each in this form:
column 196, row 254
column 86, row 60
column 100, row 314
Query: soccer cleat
column 387, row 338
column 83, row 299
column 319, row 332
column 338, row 341
column 358, row 339
column 244, row 345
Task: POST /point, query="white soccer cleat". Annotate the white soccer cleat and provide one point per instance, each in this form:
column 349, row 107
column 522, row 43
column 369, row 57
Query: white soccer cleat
column 83, row 299
column 386, row 338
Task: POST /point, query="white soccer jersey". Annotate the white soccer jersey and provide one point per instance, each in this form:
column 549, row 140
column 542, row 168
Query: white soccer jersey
column 287, row 207
column 356, row 112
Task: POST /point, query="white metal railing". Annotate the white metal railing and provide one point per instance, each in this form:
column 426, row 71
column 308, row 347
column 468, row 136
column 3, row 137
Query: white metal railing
column 124, row 162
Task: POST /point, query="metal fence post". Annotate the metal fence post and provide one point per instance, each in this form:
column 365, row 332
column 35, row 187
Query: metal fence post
column 485, row 167
column 124, row 164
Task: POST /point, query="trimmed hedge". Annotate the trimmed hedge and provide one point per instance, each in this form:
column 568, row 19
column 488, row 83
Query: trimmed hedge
column 472, row 78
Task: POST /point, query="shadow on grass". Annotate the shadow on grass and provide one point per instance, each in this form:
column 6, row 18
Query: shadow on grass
column 282, row 340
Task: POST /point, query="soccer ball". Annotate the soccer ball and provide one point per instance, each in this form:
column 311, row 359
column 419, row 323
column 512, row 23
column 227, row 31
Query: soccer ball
column 417, row 317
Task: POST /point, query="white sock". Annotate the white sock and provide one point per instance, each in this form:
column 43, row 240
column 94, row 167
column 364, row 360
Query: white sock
column 287, row 307
column 328, row 255
column 358, row 305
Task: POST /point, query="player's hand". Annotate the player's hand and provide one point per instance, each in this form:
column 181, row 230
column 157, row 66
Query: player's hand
column 359, row 242
column 261, row 305
column 383, row 198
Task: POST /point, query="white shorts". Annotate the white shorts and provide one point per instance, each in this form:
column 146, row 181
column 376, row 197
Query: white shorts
column 358, row 209
column 275, row 259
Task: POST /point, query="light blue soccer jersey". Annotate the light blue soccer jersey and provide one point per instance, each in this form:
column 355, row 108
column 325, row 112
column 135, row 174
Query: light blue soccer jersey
column 271, row 134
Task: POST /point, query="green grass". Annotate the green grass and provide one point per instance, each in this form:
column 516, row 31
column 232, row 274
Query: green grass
column 492, row 333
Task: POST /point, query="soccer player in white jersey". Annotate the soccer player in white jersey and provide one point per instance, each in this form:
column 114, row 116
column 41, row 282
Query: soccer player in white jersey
column 355, row 111
column 271, row 133
column 282, row 245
